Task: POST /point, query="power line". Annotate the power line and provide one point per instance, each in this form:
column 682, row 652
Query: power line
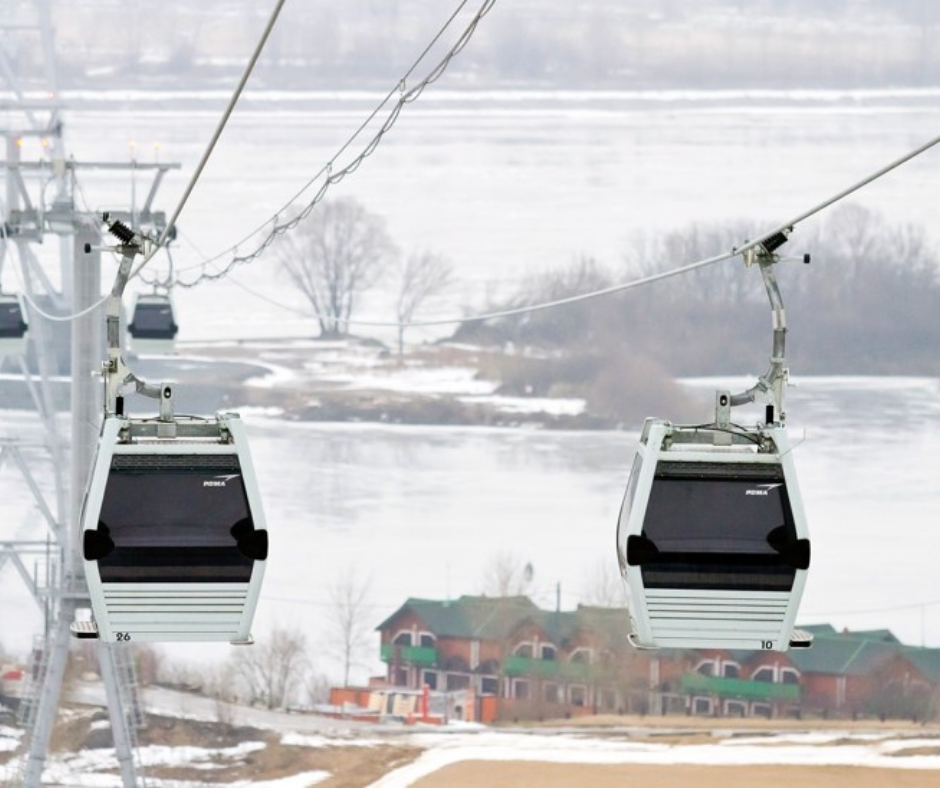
column 874, row 610
column 326, row 173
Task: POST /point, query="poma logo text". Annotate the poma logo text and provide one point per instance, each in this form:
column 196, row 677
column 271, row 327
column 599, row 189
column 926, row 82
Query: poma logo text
column 219, row 481
column 761, row 489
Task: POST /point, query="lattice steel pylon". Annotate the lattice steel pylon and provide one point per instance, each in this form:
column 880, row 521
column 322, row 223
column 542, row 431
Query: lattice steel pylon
column 26, row 216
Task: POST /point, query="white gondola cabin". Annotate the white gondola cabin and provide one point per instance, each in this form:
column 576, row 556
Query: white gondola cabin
column 712, row 539
column 173, row 533
column 13, row 326
column 153, row 326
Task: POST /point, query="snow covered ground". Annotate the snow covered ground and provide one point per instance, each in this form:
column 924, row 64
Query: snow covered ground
column 885, row 749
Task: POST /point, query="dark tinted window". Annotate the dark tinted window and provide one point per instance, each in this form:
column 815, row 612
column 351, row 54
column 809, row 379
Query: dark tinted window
column 153, row 320
column 11, row 319
column 171, row 517
column 712, row 527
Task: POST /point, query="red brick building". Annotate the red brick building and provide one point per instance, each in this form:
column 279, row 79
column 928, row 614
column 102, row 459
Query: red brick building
column 523, row 662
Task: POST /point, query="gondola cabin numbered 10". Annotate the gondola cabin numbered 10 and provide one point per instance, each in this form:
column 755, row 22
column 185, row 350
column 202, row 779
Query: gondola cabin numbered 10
column 712, row 539
column 173, row 534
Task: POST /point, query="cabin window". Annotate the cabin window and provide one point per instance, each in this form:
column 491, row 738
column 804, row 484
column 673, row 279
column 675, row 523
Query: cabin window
column 548, row 653
column 489, row 685
column 427, row 640
column 712, row 526
column 457, row 681
column 429, row 677
column 402, row 639
column 153, row 321
column 730, row 670
column 11, row 319
column 169, row 525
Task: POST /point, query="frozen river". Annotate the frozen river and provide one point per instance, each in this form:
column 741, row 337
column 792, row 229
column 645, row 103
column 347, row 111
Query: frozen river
column 503, row 183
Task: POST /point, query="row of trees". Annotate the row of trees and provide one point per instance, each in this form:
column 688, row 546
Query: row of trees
column 605, row 43
column 340, row 251
column 867, row 304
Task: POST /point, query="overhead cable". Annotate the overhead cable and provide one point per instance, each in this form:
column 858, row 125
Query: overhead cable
column 327, row 175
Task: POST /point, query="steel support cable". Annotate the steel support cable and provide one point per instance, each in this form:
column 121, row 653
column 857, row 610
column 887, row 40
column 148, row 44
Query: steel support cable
column 736, row 251
column 326, row 173
column 584, row 296
column 221, row 125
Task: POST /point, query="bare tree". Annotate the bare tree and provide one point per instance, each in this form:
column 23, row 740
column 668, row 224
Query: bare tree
column 506, row 575
column 268, row 672
column 423, row 275
column 349, row 618
column 603, row 586
column 334, row 255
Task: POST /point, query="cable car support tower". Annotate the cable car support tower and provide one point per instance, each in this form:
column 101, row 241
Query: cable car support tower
column 27, row 217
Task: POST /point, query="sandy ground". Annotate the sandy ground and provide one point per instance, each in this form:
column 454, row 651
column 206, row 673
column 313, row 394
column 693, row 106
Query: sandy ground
column 492, row 774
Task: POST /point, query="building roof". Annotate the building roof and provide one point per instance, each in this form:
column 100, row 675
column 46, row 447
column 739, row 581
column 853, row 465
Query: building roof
column 847, row 653
column 472, row 617
column 496, row 618
column 926, row 660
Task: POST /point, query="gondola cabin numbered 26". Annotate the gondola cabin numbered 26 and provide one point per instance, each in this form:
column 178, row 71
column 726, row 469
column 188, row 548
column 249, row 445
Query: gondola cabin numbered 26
column 173, row 533
column 712, row 539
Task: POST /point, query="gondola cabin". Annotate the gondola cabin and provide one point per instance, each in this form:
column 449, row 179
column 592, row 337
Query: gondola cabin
column 712, row 539
column 13, row 326
column 173, row 533
column 153, row 326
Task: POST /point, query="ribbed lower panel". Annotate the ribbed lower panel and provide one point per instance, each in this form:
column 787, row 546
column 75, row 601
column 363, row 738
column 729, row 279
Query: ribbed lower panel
column 721, row 618
column 162, row 611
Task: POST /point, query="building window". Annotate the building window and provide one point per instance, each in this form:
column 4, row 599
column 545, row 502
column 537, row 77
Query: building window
column 429, row 677
column 702, row 706
column 706, row 668
column 762, row 710
column 735, row 708
column 765, row 673
column 524, row 650
column 489, row 685
column 581, row 656
column 520, row 689
column 789, row 676
column 402, row 639
column 427, row 640
column 548, row 652
column 457, row 681
column 730, row 670
column 577, row 695
column 550, row 693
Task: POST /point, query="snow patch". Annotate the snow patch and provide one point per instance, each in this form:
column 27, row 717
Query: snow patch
column 299, row 740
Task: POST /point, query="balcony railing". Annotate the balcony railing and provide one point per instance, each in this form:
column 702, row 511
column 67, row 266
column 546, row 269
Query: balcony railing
column 413, row 655
column 545, row 668
column 696, row 683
